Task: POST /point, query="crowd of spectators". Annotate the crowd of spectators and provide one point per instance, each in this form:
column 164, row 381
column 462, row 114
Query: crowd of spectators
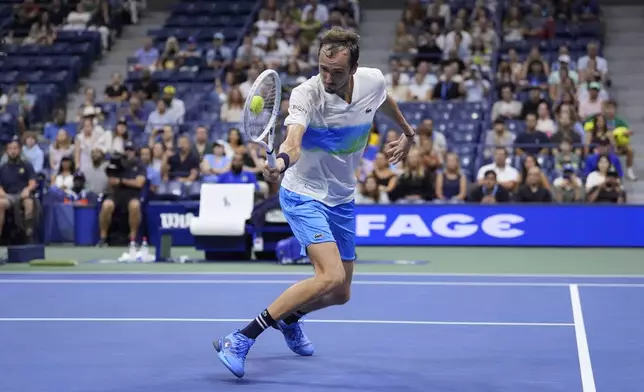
column 552, row 132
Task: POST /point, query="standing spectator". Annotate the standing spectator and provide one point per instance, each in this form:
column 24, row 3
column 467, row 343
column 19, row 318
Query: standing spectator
column 147, row 57
column 32, row 152
column 531, row 141
column 533, row 190
column 451, row 184
column 507, row 108
column 498, row 137
column 61, row 147
column 17, row 185
column 506, row 175
column 94, row 173
column 610, row 191
column 488, row 191
column 568, row 187
column 116, row 91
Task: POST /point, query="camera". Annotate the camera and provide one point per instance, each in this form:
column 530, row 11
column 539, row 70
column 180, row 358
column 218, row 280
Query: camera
column 116, row 166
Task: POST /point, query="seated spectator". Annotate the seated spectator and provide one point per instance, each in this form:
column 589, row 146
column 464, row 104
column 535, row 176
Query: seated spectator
column 61, row 147
column 385, row 178
column 89, row 105
column 64, row 177
column 451, row 37
column 161, row 118
column 566, row 131
column 174, row 105
column 319, row 11
column 25, row 101
column 488, row 191
column 545, row 123
column 506, row 176
column 451, row 184
column 90, row 138
column 400, row 92
column 17, row 185
column 593, row 54
column 124, row 194
column 598, row 175
column 507, row 108
column 163, row 136
column 170, row 59
column 95, row 173
column 233, row 109
column 371, row 193
column 237, row 174
column 426, row 131
column 118, row 138
column 592, row 104
column 134, row 116
column 202, row 146
column 563, row 67
column 476, row 87
column 147, row 57
column 116, row 91
column 416, row 184
column 26, row 13
column 535, row 77
column 528, row 163
column 42, row 32
column 214, row 164
column 32, row 152
column 153, row 174
column 182, row 165
column 610, row 191
column 532, row 141
column 244, row 87
column 4, row 100
column 450, row 85
column 603, row 149
column 531, row 106
column 248, row 52
column 565, row 155
column 498, row 137
column 598, row 133
column 309, row 27
column 220, row 55
column 621, row 133
column 146, row 88
column 536, row 23
column 568, row 188
column 190, row 56
column 533, row 190
column 81, row 18
column 427, row 50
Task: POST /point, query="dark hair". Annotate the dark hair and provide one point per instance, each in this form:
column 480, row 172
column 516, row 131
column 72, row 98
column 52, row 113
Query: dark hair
column 337, row 39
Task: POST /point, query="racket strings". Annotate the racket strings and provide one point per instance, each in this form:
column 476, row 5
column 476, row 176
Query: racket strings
column 255, row 124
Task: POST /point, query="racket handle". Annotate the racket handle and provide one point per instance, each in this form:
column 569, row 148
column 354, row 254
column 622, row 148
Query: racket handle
column 271, row 159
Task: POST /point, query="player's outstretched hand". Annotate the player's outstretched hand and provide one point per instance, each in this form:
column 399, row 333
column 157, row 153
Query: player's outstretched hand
column 272, row 174
column 398, row 149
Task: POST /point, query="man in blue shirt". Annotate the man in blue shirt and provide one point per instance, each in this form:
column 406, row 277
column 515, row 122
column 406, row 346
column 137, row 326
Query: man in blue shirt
column 17, row 184
column 237, row 174
column 603, row 148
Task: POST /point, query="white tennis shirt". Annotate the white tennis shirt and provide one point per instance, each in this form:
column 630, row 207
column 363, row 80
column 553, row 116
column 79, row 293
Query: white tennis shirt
column 336, row 135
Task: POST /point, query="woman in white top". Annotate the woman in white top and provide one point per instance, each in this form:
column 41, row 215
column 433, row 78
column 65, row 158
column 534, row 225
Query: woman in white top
column 398, row 91
column 598, row 176
column 87, row 140
column 233, row 109
column 418, row 89
column 118, row 138
column 545, row 123
column 60, row 148
column 65, row 178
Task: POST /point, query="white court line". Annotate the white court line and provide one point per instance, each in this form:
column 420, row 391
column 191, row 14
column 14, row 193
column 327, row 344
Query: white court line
column 585, row 366
column 284, row 282
column 230, row 320
column 303, row 273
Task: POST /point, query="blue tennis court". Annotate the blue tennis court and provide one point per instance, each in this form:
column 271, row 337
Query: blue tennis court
column 153, row 332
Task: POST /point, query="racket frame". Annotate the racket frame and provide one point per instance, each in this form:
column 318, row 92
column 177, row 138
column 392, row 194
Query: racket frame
column 269, row 128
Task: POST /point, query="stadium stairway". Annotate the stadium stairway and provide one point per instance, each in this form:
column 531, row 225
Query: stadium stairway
column 623, row 51
column 378, row 23
column 116, row 59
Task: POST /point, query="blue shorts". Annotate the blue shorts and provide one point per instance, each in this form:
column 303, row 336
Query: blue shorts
column 313, row 222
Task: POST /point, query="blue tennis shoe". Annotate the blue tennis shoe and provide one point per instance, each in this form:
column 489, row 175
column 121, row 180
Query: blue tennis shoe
column 295, row 338
column 232, row 351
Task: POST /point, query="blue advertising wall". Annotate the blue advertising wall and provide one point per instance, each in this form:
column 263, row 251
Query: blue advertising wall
column 460, row 225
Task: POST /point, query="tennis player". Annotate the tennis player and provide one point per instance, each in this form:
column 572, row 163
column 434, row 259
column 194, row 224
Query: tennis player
column 328, row 126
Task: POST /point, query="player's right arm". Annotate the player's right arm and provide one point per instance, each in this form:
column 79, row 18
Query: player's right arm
column 299, row 117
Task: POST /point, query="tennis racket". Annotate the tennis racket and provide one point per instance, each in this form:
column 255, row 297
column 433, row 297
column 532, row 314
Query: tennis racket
column 259, row 126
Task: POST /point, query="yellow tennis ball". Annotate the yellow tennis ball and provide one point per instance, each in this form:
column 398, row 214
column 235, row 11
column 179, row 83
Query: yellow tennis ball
column 256, row 104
